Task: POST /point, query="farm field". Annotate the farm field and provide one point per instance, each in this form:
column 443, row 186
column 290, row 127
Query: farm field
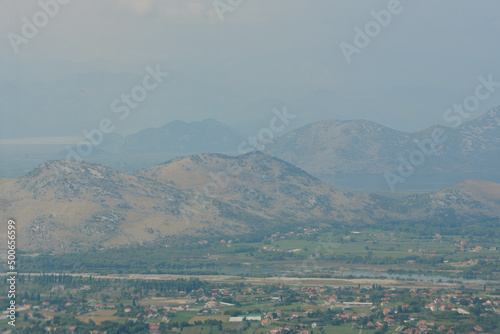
column 100, row 316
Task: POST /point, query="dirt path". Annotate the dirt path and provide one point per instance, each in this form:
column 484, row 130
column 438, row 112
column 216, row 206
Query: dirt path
column 335, row 282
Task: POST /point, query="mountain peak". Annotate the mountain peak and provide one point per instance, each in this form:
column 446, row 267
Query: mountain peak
column 180, row 137
column 56, row 175
column 477, row 188
column 492, row 114
column 328, row 147
column 67, row 167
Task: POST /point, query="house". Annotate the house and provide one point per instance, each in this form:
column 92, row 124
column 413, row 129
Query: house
column 211, row 304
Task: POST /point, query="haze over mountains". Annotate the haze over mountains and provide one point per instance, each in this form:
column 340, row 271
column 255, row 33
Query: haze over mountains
column 181, row 97
column 347, row 154
column 66, row 206
column 327, row 148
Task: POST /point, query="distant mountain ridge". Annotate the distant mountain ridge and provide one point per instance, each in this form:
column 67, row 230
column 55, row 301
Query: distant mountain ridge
column 207, row 136
column 350, row 147
column 337, row 152
column 341, row 146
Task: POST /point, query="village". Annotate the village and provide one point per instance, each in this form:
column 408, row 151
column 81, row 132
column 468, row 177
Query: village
column 299, row 280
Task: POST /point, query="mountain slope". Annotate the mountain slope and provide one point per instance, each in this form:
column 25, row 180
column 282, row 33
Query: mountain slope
column 262, row 185
column 472, row 198
column 69, row 205
column 66, row 206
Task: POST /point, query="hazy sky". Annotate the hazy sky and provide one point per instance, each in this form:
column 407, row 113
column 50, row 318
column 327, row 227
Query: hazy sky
column 428, row 57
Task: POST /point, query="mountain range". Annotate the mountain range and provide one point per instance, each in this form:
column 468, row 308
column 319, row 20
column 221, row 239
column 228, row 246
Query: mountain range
column 332, row 147
column 353, row 154
column 64, row 206
column 327, row 148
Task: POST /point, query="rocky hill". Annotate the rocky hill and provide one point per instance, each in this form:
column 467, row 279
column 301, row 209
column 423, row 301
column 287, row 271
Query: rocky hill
column 67, row 205
column 263, row 185
column 64, row 206
column 472, row 199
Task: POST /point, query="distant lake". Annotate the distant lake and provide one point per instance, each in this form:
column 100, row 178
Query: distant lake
column 283, row 271
column 424, row 278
